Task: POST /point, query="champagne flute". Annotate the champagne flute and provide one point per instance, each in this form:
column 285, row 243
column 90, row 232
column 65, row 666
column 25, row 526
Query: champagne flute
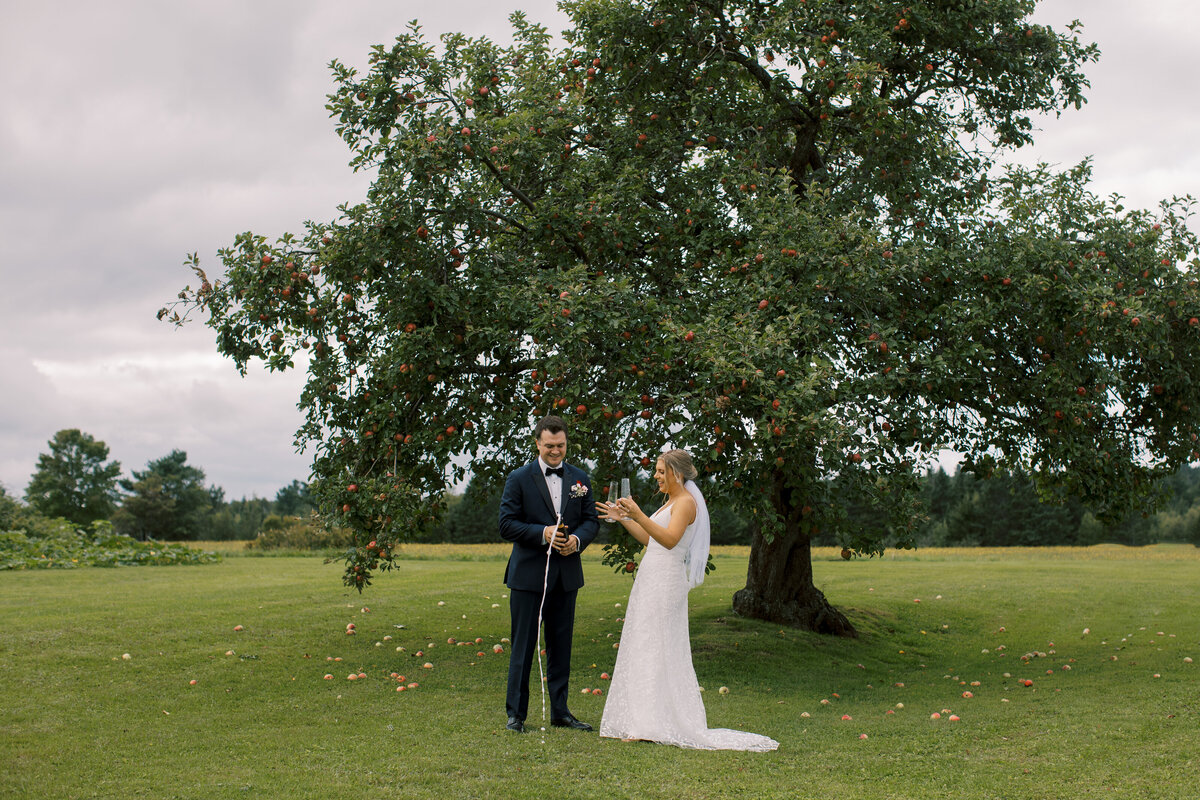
column 612, row 499
column 625, row 492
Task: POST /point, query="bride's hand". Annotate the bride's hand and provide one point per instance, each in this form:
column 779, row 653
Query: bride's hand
column 609, row 512
column 628, row 508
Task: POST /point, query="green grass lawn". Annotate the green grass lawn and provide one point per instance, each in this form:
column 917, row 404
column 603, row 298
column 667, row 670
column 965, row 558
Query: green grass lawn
column 79, row 720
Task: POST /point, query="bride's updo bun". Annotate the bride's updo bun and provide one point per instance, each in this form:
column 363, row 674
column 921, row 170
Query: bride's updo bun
column 680, row 462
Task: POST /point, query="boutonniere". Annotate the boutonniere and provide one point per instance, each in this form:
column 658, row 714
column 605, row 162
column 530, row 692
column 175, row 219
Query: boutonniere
column 579, row 490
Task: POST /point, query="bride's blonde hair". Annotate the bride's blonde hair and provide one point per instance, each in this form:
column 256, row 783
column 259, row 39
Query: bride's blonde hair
column 680, row 463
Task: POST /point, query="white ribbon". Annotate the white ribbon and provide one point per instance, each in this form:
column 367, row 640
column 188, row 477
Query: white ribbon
column 545, row 588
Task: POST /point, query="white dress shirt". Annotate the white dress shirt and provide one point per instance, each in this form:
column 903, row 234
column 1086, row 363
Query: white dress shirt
column 554, row 483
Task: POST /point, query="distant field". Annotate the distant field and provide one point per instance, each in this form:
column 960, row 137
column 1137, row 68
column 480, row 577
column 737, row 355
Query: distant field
column 1103, row 552
column 220, row 545
column 1107, row 636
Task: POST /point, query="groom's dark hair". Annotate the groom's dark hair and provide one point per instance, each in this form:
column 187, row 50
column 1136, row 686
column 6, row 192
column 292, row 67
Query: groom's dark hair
column 552, row 424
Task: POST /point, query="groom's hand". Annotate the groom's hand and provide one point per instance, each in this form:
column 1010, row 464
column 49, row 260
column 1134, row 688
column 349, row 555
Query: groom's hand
column 556, row 533
column 566, row 544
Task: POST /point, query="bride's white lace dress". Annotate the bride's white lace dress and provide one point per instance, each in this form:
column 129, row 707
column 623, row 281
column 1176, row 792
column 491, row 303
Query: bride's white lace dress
column 654, row 694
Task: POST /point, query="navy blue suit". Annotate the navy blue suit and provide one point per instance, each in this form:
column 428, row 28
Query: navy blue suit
column 525, row 511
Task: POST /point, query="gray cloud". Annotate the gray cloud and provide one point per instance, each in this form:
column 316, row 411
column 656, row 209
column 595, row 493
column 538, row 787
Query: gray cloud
column 1142, row 110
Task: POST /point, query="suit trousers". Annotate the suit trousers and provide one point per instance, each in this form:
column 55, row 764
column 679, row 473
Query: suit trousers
column 558, row 623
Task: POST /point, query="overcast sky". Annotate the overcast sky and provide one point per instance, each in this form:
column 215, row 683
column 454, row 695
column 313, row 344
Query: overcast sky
column 134, row 133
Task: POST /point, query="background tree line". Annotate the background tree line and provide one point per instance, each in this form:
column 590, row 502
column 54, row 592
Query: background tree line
column 959, row 510
column 1005, row 510
column 169, row 500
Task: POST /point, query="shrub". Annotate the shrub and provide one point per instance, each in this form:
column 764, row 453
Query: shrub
column 43, row 543
column 294, row 533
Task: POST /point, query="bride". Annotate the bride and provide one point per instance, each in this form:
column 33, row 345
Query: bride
column 655, row 695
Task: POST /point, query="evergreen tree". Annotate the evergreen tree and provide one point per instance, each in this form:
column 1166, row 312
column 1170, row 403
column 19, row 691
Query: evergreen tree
column 168, row 500
column 937, row 493
column 294, row 500
column 73, row 480
column 473, row 517
column 149, row 511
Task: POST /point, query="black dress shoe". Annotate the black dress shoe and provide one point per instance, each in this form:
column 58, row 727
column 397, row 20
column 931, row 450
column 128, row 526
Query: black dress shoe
column 515, row 724
column 570, row 722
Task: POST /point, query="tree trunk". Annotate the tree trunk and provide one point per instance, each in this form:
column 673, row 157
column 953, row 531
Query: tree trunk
column 779, row 586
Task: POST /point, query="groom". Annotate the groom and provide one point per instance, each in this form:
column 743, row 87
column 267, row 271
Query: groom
column 534, row 496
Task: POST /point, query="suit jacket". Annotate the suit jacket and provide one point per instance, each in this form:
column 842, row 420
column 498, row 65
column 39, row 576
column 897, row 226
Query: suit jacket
column 525, row 511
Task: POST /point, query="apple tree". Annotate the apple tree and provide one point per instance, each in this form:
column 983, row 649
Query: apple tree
column 775, row 234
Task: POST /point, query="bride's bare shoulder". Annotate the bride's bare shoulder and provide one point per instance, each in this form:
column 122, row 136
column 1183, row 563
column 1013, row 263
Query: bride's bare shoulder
column 687, row 507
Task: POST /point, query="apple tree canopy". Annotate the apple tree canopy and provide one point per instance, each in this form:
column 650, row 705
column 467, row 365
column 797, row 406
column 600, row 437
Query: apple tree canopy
column 776, row 234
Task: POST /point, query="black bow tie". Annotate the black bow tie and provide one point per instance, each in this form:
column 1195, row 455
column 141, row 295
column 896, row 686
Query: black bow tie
column 554, row 471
